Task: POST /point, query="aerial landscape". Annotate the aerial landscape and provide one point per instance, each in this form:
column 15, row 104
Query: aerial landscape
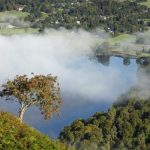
column 75, row 75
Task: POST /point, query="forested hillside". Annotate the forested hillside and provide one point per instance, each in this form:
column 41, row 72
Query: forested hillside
column 126, row 126
column 17, row 136
column 112, row 15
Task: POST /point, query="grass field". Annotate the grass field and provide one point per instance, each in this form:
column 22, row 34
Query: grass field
column 18, row 31
column 19, row 14
column 147, row 3
column 124, row 47
column 122, row 38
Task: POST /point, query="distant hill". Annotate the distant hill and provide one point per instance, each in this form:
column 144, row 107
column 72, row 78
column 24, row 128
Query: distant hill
column 126, row 126
column 114, row 16
column 17, row 136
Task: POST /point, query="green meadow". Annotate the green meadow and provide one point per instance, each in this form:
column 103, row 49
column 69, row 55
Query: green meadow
column 19, row 14
column 147, row 3
column 18, row 31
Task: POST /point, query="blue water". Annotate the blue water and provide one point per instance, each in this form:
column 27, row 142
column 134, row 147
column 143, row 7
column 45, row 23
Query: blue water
column 79, row 103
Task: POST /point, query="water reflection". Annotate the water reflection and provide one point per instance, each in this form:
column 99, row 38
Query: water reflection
column 141, row 89
column 143, row 61
column 105, row 60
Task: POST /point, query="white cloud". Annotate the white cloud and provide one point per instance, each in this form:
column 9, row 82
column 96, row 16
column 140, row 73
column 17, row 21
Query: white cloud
column 62, row 53
column 84, row 82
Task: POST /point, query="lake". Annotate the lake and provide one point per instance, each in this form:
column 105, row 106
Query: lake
column 87, row 86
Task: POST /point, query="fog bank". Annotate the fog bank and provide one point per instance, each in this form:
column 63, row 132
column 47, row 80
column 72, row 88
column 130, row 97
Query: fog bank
column 64, row 54
column 84, row 83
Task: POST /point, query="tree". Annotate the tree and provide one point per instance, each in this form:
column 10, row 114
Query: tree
column 38, row 90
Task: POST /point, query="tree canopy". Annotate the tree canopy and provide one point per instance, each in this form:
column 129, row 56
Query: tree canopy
column 39, row 90
column 126, row 125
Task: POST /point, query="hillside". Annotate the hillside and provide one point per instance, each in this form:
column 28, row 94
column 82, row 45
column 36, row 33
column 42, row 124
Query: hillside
column 17, row 136
column 113, row 16
column 126, row 126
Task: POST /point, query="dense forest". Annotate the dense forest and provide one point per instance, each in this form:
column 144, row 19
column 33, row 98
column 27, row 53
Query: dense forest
column 114, row 16
column 125, row 126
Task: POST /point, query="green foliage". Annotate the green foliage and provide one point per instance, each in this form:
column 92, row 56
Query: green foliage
column 17, row 136
column 39, row 90
column 125, row 126
column 114, row 16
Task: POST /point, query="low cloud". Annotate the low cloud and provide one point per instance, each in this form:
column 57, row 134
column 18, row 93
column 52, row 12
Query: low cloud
column 142, row 87
column 65, row 54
